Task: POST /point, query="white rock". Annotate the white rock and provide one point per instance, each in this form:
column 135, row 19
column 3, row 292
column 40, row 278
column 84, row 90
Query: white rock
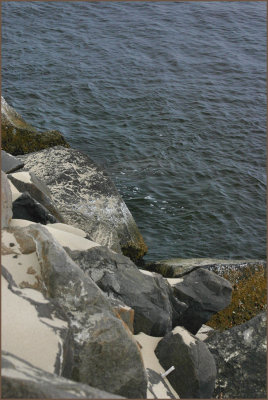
column 6, row 201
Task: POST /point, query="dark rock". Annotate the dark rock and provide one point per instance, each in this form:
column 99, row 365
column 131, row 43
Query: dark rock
column 18, row 137
column 106, row 355
column 126, row 313
column 156, row 309
column 205, row 293
column 195, row 371
column 10, row 163
column 25, row 207
column 241, row 359
column 28, row 182
column 87, row 198
column 21, row 380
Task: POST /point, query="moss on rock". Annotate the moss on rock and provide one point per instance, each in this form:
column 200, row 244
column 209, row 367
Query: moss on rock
column 19, row 137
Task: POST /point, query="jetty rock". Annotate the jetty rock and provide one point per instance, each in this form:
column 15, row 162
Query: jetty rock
column 6, row 201
column 105, row 354
column 87, row 198
column 19, row 137
column 241, row 359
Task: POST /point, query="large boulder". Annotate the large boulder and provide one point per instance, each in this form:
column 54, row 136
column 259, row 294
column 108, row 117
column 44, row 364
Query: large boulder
column 156, row 309
column 105, row 353
column 205, row 293
column 241, row 359
column 28, row 182
column 25, row 207
column 10, row 163
column 22, row 380
column 35, row 329
column 6, row 201
column 195, row 370
column 18, row 137
column 87, row 198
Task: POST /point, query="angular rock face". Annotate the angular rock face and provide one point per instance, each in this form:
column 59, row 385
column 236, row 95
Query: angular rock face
column 155, row 307
column 205, row 293
column 87, row 198
column 105, row 354
column 195, row 371
column 25, row 207
column 21, row 380
column 6, row 201
column 18, row 137
column 28, row 322
column 10, row 163
column 28, row 182
column 241, row 359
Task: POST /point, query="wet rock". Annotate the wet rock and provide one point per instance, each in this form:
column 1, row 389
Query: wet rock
column 21, row 380
column 178, row 267
column 18, row 137
column 154, row 305
column 105, row 353
column 241, row 359
column 205, row 293
column 87, row 198
column 6, row 201
column 10, row 163
column 25, row 207
column 195, row 371
column 28, row 182
column 29, row 321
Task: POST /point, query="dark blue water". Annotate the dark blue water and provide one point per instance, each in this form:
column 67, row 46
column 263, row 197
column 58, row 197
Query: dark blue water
column 170, row 97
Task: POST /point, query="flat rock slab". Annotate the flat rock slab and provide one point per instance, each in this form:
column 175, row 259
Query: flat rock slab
column 241, row 359
column 178, row 267
column 195, row 370
column 87, row 198
column 10, row 163
column 21, row 380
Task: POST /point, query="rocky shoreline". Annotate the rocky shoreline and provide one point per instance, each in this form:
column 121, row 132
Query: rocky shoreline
column 83, row 316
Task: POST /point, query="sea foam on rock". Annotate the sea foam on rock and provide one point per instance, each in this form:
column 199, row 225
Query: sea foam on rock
column 87, row 198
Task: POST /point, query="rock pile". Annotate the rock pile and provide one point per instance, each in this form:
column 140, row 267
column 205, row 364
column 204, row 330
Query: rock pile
column 80, row 319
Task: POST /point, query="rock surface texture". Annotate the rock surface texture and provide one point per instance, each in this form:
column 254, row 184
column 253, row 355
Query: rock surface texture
column 155, row 308
column 241, row 359
column 105, row 354
column 25, row 207
column 28, row 182
column 18, row 137
column 87, row 198
column 10, row 163
column 195, row 370
column 21, row 380
column 205, row 293
column 6, row 201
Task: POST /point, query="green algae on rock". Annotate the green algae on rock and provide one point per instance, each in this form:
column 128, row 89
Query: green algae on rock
column 19, row 137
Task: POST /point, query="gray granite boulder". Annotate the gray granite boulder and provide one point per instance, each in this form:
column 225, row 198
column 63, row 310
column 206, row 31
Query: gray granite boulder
column 195, row 370
column 21, row 380
column 87, row 198
column 25, row 207
column 105, row 354
column 205, row 293
column 241, row 359
column 28, row 182
column 156, row 309
column 10, row 163
column 6, row 201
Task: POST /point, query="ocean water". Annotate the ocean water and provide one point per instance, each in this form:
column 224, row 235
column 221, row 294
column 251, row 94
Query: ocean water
column 170, row 97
